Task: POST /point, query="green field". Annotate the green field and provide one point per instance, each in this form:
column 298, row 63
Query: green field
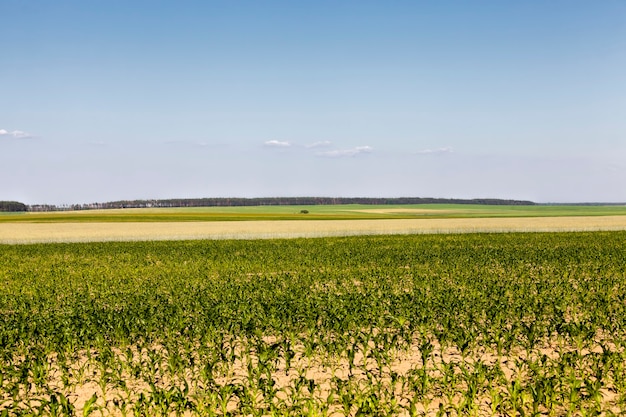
column 473, row 324
column 321, row 212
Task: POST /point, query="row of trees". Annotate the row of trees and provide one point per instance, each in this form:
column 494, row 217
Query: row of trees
column 12, row 206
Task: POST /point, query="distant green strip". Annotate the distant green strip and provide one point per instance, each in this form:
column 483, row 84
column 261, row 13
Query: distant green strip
column 330, row 212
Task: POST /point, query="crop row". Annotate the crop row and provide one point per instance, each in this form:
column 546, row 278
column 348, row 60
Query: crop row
column 479, row 324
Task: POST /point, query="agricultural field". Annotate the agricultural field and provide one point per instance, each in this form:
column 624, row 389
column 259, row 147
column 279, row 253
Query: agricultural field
column 487, row 324
column 300, row 221
column 318, row 212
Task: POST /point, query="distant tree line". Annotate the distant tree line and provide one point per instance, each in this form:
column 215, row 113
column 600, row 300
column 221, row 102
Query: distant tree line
column 273, row 201
column 12, row 206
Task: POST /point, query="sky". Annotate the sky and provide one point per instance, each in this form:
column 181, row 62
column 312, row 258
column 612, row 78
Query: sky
column 113, row 100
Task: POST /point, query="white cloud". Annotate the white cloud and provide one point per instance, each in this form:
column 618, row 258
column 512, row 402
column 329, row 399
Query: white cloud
column 277, row 144
column 16, row 134
column 437, row 151
column 320, row 144
column 342, row 153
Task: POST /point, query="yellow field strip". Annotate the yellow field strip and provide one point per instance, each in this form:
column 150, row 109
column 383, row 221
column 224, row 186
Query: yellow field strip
column 85, row 232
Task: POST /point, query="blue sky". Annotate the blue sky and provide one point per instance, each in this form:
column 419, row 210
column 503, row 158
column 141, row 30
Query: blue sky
column 108, row 100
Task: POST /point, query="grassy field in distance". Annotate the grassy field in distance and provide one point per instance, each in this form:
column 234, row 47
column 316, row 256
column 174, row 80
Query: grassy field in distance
column 263, row 222
column 319, row 212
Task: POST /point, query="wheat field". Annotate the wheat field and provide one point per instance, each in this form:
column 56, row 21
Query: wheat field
column 15, row 233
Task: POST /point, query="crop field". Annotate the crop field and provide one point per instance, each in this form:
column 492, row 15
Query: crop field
column 257, row 229
column 481, row 324
column 319, row 212
column 290, row 221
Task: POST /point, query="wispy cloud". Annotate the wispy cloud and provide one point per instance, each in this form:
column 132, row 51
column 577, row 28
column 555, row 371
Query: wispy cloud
column 16, row 134
column 277, row 144
column 320, row 144
column 437, row 151
column 342, row 153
